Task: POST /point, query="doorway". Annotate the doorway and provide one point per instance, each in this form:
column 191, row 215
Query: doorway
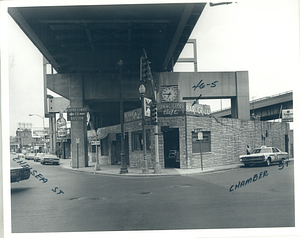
column 116, row 150
column 171, row 148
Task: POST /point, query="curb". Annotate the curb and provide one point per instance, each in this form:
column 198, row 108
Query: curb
column 184, row 173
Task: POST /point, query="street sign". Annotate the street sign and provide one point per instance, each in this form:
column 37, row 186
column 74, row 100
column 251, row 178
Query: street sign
column 95, row 142
column 76, row 116
column 77, row 109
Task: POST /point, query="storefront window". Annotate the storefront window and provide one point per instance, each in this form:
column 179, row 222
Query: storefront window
column 137, row 140
column 205, row 143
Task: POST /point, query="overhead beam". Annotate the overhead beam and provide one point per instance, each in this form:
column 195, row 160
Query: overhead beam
column 184, row 18
column 89, row 37
column 105, row 21
column 15, row 14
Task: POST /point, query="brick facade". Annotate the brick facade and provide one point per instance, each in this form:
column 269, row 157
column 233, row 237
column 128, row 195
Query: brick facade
column 229, row 138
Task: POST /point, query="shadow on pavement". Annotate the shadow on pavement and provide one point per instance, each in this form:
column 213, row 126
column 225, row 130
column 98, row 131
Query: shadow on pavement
column 19, row 190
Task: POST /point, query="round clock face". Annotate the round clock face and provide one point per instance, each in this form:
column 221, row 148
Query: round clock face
column 169, row 94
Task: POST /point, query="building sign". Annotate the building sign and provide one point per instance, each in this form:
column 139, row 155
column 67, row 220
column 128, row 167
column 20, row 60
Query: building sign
column 61, row 125
column 22, row 125
column 197, row 109
column 171, row 109
column 287, row 115
column 133, row 115
column 39, row 132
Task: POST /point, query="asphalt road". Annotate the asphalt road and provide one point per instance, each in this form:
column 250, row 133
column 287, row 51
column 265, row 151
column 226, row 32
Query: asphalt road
column 61, row 200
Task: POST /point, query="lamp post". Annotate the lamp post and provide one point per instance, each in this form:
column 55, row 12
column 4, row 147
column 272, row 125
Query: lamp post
column 123, row 169
column 142, row 91
column 43, row 118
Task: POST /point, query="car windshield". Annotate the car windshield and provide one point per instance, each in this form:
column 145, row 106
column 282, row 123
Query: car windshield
column 262, row 150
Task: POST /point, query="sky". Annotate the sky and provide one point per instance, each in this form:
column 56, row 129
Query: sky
column 261, row 37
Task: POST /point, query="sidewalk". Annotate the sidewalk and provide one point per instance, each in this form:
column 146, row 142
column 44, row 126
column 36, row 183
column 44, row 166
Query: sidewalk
column 115, row 170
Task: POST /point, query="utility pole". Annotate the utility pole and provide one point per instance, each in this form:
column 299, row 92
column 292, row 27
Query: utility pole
column 148, row 77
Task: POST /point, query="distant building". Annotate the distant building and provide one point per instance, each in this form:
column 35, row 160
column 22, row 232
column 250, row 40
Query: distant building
column 24, row 137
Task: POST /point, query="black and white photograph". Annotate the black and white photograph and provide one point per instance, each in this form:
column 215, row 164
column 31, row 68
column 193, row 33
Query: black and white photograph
column 149, row 118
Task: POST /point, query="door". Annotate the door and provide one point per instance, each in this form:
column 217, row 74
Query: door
column 171, row 148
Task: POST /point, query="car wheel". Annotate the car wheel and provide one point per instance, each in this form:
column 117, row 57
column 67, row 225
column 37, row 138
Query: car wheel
column 268, row 162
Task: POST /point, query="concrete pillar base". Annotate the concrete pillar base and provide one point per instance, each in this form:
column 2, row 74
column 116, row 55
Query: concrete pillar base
column 145, row 171
column 97, row 167
column 157, row 169
column 123, row 171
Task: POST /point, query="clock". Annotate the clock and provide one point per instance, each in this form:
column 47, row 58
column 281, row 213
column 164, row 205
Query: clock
column 169, row 93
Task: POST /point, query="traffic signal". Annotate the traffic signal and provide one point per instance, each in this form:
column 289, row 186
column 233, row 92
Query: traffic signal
column 145, row 69
column 154, row 116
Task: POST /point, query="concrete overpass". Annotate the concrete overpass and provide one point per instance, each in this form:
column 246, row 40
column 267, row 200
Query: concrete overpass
column 267, row 108
column 84, row 43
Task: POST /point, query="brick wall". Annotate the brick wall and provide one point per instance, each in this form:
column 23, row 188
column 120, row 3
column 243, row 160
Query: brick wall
column 229, row 138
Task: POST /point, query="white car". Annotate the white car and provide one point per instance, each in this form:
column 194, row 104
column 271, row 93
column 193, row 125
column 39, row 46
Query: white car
column 49, row 159
column 264, row 155
column 38, row 157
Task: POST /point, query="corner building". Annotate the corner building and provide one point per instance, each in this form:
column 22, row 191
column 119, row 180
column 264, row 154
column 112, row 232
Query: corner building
column 223, row 139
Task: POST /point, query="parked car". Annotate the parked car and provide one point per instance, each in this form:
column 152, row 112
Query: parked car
column 18, row 174
column 21, row 156
column 264, row 155
column 30, row 156
column 49, row 159
column 38, row 157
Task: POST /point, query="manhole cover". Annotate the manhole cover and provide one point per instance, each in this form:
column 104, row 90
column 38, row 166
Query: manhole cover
column 182, row 186
column 145, row 192
column 86, row 198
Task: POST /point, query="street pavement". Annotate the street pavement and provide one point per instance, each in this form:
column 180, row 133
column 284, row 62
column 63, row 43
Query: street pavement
column 115, row 169
column 62, row 199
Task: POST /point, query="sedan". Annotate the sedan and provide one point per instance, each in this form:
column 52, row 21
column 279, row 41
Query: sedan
column 49, row 159
column 21, row 156
column 38, row 157
column 264, row 155
column 30, row 156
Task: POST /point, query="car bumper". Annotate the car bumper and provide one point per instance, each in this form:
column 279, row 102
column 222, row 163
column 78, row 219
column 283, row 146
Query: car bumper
column 253, row 160
column 50, row 161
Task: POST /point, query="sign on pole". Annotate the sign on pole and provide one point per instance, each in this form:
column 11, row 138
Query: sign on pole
column 147, row 103
column 200, row 135
column 95, row 142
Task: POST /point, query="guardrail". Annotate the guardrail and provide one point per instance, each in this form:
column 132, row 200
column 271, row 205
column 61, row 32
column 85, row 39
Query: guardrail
column 258, row 99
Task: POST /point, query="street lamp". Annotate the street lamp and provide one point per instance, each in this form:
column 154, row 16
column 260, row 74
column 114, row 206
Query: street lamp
column 142, row 91
column 123, row 169
column 43, row 118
